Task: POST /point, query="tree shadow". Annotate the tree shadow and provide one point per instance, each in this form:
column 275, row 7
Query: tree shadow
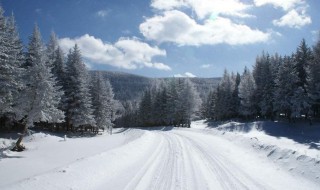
column 300, row 131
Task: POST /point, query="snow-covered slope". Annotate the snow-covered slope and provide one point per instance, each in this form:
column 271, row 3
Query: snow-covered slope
column 293, row 147
column 47, row 153
column 203, row 157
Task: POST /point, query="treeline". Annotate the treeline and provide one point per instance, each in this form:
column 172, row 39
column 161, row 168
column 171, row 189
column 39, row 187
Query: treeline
column 287, row 86
column 172, row 102
column 42, row 86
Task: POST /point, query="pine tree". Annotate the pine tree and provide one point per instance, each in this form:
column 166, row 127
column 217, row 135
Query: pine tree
column 246, row 92
column 172, row 100
column 79, row 106
column 103, row 102
column 51, row 50
column 145, row 109
column 40, row 98
column 303, row 58
column 264, row 80
column 314, row 80
column 224, row 98
column 286, row 86
column 57, row 64
column 190, row 102
column 235, row 102
column 11, row 59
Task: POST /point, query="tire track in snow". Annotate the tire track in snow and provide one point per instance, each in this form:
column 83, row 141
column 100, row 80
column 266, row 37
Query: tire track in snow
column 229, row 177
column 162, row 170
column 182, row 163
column 146, row 169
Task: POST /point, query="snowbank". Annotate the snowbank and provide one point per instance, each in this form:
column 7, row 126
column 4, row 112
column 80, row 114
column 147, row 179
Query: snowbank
column 294, row 147
column 46, row 153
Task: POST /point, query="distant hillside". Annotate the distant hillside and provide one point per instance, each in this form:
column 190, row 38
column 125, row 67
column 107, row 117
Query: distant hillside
column 129, row 86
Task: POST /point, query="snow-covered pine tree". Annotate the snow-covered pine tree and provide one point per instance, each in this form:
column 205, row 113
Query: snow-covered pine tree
column 190, row 101
column 145, row 109
column 51, row 50
column 59, row 72
column 205, row 105
column 303, row 58
column 11, row 59
column 172, row 98
column 246, row 92
column 224, row 97
column 40, row 97
column 157, row 106
column 179, row 104
column 211, row 105
column 286, row 87
column 103, row 102
column 57, row 64
column 264, row 81
column 314, row 80
column 130, row 115
column 235, row 102
column 79, row 106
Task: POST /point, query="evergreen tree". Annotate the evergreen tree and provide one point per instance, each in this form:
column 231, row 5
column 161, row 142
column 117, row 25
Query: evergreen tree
column 79, row 106
column 207, row 112
column 172, row 101
column 40, row 98
column 226, row 88
column 264, row 80
column 314, row 80
column 303, row 57
column 11, row 59
column 51, row 50
column 190, row 102
column 246, row 92
column 235, row 102
column 103, row 102
column 145, row 109
column 286, row 87
column 56, row 62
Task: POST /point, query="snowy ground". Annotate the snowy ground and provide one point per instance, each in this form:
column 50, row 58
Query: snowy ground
column 207, row 156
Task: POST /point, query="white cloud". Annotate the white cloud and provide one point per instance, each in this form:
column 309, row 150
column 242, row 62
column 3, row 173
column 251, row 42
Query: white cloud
column 178, row 76
column 128, row 53
column 284, row 4
column 205, row 8
column 205, row 66
column 293, row 19
column 295, row 16
column 177, row 27
column 102, row 13
column 186, row 74
column 168, row 4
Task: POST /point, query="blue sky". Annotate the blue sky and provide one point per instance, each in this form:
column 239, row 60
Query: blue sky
column 164, row 38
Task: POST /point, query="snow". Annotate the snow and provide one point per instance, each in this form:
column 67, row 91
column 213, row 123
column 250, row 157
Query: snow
column 203, row 157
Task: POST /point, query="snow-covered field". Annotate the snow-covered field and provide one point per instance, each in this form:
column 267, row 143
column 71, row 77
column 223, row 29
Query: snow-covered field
column 207, row 156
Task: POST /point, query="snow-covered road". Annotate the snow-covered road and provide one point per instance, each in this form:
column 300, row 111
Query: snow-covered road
column 169, row 159
column 187, row 159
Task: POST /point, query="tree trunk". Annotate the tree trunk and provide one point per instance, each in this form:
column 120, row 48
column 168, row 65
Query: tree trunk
column 18, row 146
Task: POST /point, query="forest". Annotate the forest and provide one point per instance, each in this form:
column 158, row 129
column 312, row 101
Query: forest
column 42, row 86
column 278, row 87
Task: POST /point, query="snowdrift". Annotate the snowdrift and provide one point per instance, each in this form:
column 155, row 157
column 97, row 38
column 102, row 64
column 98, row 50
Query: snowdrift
column 294, row 147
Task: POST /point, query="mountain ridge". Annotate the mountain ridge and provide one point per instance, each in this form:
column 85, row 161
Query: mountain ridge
column 127, row 86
